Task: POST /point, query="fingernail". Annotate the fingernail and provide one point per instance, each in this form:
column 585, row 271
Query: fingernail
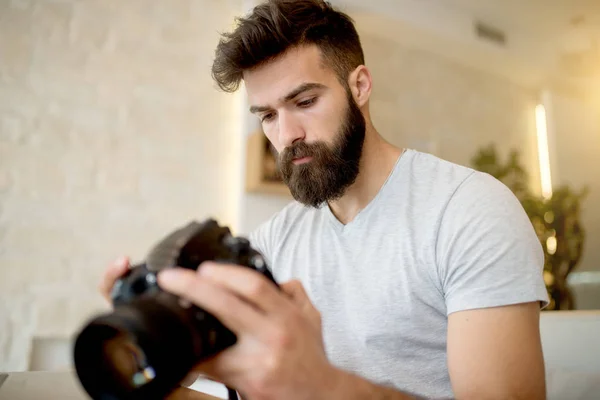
column 121, row 261
column 168, row 276
column 206, row 268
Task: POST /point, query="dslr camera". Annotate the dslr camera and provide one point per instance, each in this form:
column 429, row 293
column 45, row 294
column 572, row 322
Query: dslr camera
column 151, row 340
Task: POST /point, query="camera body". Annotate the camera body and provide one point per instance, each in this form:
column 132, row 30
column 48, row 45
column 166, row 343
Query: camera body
column 187, row 248
column 152, row 339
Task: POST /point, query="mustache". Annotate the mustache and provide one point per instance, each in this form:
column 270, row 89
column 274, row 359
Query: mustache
column 298, row 150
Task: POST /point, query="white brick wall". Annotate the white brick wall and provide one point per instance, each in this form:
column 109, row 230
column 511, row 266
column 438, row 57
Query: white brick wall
column 111, row 134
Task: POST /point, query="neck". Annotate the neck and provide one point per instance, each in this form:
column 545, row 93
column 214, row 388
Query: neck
column 376, row 163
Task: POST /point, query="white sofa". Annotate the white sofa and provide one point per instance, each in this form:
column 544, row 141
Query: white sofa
column 571, row 343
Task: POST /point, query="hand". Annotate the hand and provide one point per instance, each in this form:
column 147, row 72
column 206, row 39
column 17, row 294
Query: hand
column 116, row 270
column 279, row 353
column 113, row 273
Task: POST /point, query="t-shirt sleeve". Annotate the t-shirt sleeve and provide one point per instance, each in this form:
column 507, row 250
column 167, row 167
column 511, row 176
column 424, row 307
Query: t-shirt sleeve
column 487, row 252
column 261, row 239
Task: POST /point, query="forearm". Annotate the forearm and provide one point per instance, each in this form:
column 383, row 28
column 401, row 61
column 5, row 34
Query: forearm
column 353, row 387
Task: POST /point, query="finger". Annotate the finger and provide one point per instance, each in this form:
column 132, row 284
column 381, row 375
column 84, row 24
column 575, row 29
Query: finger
column 224, row 365
column 232, row 311
column 248, row 284
column 197, row 373
column 114, row 271
column 228, row 367
column 295, row 290
column 190, row 378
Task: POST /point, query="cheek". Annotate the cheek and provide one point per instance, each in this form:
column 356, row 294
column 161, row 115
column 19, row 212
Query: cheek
column 324, row 123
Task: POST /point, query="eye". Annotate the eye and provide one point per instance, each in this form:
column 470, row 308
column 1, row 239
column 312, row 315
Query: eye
column 267, row 117
column 307, row 103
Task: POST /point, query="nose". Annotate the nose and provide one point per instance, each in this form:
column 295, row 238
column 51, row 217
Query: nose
column 290, row 129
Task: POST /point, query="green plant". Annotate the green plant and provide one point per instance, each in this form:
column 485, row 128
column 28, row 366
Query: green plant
column 556, row 221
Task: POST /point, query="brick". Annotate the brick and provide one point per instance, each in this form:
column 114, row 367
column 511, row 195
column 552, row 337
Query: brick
column 17, row 318
column 19, row 4
column 16, row 53
column 176, row 12
column 80, row 179
column 37, row 173
column 19, row 101
column 51, row 131
column 22, row 212
column 5, row 183
column 25, row 264
column 90, row 28
column 12, row 128
column 59, row 59
column 117, row 174
column 51, row 21
column 16, row 17
column 89, row 118
column 57, row 81
column 116, row 74
column 132, row 28
column 52, row 316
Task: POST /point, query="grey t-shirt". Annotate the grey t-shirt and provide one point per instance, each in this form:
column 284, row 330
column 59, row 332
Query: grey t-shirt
column 438, row 238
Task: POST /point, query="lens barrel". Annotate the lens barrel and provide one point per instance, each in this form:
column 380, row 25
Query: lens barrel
column 142, row 350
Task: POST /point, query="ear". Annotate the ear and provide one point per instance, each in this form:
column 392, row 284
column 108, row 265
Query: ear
column 360, row 83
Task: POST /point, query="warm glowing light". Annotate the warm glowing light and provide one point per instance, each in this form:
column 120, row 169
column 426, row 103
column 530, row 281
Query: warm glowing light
column 548, row 278
column 549, row 217
column 543, row 152
column 551, row 245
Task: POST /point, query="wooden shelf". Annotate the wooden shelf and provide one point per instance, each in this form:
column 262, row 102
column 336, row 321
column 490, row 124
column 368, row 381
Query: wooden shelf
column 258, row 162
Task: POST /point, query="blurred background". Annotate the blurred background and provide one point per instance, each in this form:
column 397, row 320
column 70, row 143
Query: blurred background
column 112, row 134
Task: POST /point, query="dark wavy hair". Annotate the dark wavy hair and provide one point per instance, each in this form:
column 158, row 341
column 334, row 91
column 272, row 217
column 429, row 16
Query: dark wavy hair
column 278, row 25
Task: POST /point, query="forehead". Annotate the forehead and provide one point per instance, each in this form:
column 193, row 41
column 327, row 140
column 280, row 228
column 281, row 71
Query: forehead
column 269, row 82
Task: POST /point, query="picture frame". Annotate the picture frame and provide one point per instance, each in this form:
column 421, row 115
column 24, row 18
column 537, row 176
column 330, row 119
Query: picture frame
column 262, row 175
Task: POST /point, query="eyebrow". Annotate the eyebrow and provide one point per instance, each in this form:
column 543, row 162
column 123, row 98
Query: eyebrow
column 305, row 87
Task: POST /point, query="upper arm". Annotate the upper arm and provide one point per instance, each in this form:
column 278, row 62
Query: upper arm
column 491, row 269
column 496, row 353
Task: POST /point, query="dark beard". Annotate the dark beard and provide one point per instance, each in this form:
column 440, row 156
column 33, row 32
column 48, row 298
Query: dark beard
column 331, row 170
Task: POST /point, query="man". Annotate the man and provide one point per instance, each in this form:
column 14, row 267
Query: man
column 403, row 275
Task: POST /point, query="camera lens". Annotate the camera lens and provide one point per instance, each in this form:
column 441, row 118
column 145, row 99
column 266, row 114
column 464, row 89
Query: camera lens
column 127, row 361
column 142, row 350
